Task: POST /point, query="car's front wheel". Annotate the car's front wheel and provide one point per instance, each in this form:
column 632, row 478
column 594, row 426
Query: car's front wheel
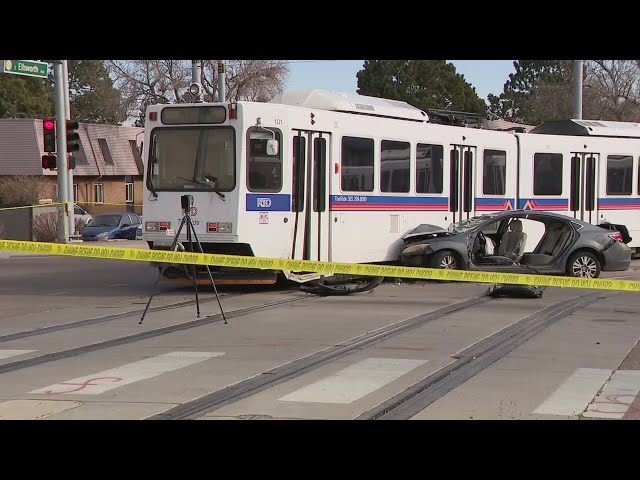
column 445, row 259
column 583, row 264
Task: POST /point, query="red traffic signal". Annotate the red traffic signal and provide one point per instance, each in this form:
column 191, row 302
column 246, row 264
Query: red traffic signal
column 49, row 161
column 49, row 135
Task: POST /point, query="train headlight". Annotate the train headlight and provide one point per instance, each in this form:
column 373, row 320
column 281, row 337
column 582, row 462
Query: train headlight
column 194, row 89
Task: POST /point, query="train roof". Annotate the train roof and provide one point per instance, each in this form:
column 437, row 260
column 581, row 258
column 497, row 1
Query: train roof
column 351, row 103
column 590, row 128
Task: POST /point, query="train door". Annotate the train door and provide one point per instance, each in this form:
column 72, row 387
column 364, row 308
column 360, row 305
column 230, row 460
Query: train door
column 310, row 195
column 462, row 160
column 583, row 191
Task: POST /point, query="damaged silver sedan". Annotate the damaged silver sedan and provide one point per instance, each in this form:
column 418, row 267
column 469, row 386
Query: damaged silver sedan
column 520, row 241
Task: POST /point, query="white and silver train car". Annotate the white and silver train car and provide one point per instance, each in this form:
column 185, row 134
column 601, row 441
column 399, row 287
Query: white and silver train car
column 341, row 177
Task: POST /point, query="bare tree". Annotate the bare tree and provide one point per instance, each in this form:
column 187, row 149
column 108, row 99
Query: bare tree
column 25, row 189
column 615, row 87
column 146, row 82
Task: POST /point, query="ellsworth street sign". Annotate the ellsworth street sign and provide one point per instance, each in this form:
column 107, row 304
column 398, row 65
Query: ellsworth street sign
column 25, row 67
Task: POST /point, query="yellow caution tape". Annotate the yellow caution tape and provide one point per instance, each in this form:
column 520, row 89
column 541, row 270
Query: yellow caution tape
column 34, row 206
column 237, row 261
column 52, row 204
column 106, row 203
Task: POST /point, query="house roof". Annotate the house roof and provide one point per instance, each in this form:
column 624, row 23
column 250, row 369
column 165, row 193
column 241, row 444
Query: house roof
column 105, row 149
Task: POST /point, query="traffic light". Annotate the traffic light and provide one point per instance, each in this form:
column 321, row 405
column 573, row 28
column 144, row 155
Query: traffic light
column 73, row 138
column 49, row 161
column 49, row 135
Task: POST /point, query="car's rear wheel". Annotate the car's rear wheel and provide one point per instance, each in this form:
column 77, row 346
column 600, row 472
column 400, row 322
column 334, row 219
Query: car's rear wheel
column 584, row 264
column 445, row 259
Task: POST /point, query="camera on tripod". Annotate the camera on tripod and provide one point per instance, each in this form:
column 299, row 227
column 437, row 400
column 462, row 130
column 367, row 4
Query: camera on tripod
column 186, row 201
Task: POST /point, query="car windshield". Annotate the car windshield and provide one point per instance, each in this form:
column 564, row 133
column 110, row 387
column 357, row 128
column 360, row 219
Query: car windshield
column 470, row 223
column 104, row 221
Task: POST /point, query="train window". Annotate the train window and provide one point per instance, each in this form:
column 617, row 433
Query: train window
column 186, row 115
column 357, row 164
column 319, row 174
column 429, row 168
column 394, row 166
column 192, row 159
column 495, row 165
column 638, row 175
column 264, row 171
column 619, row 173
column 298, row 184
column 547, row 174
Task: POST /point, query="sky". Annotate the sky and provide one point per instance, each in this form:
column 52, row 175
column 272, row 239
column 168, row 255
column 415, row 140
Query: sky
column 487, row 76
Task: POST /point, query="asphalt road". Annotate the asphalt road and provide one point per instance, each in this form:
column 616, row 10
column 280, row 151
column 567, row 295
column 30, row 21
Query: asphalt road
column 32, row 284
column 70, row 362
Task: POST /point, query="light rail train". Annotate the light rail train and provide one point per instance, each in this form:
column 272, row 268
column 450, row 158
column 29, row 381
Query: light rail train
column 342, row 177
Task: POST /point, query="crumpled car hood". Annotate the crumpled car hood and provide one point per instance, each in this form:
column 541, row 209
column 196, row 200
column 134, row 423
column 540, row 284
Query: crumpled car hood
column 425, row 229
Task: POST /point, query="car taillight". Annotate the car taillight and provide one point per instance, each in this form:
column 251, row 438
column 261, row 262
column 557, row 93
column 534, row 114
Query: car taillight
column 616, row 236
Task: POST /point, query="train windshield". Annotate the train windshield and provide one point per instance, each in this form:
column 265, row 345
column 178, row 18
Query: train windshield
column 192, row 159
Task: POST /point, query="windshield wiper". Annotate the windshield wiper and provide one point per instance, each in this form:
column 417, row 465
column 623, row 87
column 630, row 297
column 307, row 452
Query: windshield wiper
column 207, row 183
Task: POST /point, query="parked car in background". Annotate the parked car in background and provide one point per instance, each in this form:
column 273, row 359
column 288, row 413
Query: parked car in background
column 520, row 241
column 81, row 213
column 112, row 226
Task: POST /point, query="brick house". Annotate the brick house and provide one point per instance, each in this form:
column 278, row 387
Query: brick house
column 108, row 168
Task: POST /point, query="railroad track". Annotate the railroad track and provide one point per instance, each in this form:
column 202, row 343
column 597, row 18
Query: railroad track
column 136, row 337
column 406, row 404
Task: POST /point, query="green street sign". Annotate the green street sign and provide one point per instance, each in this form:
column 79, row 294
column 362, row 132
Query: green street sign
column 25, row 67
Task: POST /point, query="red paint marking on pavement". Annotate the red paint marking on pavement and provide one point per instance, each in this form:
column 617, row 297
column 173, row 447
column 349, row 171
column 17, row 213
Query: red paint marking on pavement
column 82, row 386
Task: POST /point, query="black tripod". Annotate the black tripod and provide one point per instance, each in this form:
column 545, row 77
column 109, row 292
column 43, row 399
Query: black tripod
column 186, row 203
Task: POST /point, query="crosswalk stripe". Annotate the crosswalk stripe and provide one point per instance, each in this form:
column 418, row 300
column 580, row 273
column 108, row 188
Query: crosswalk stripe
column 616, row 396
column 575, row 394
column 355, row 381
column 13, row 353
column 126, row 374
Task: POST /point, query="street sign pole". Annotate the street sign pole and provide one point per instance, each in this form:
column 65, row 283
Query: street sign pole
column 67, row 116
column 32, row 68
column 61, row 134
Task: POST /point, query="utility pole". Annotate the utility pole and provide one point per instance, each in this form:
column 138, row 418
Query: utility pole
column 577, row 89
column 67, row 115
column 221, row 84
column 61, row 164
